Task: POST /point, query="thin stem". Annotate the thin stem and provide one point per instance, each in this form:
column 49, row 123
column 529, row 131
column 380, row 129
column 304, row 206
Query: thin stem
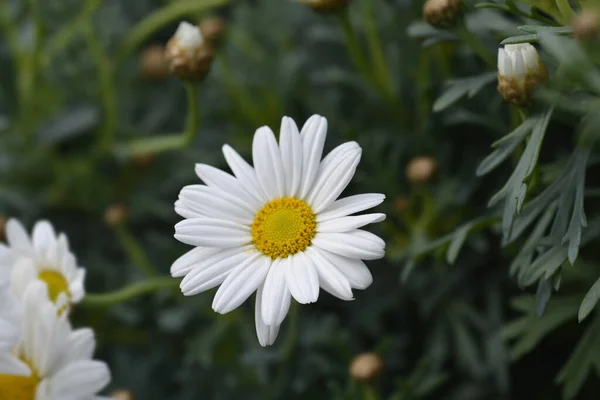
column 475, row 44
column 129, row 292
column 353, row 45
column 159, row 144
column 106, row 135
column 135, row 251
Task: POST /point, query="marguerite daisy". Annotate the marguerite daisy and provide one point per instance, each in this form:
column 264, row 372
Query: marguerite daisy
column 44, row 359
column 277, row 228
column 45, row 256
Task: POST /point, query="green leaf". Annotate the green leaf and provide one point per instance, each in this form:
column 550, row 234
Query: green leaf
column 458, row 240
column 589, row 301
column 505, row 147
column 521, row 39
column 554, row 8
column 585, row 357
column 459, row 88
column 529, row 330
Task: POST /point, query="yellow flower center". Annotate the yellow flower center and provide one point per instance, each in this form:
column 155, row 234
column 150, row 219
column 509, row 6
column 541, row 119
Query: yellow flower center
column 56, row 282
column 283, row 227
column 13, row 387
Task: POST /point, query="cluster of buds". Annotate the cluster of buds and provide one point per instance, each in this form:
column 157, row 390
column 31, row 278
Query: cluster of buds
column 520, row 72
column 188, row 55
column 325, row 6
column 443, row 14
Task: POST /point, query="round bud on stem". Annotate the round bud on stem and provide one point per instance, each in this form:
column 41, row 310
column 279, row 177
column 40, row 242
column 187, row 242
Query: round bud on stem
column 421, row 169
column 585, row 24
column 325, row 6
column 443, row 14
column 212, row 28
column 153, row 64
column 366, row 366
column 188, row 55
column 520, row 72
column 401, row 203
column 122, row 395
column 115, row 215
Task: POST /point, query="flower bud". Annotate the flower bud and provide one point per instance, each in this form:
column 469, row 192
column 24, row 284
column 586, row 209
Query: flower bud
column 122, row 395
column 366, row 366
column 115, row 215
column 520, row 72
column 325, row 6
column 443, row 14
column 188, row 55
column 212, row 28
column 153, row 64
column 585, row 24
column 143, row 160
column 421, row 169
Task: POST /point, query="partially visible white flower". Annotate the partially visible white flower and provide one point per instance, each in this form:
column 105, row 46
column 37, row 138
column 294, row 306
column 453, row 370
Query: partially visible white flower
column 520, row 71
column 45, row 359
column 278, row 228
column 188, row 55
column 44, row 256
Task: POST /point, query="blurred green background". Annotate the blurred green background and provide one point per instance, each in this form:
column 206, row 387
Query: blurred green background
column 86, row 108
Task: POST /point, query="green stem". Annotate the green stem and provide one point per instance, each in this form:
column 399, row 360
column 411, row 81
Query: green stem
column 66, row 34
column 129, row 292
column 381, row 71
column 163, row 143
column 135, row 251
column 106, row 135
column 353, row 45
column 475, row 44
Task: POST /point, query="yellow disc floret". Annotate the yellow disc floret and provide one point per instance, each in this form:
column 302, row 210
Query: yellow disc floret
column 283, row 227
column 56, row 282
column 14, row 387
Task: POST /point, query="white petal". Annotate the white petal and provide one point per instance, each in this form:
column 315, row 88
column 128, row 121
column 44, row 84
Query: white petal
column 189, row 260
column 337, row 153
column 302, row 278
column 210, row 232
column 215, row 203
column 330, row 278
column 241, row 283
column 182, row 208
column 345, row 224
column 214, row 177
column 17, row 236
column 268, row 164
column 313, row 136
column 266, row 333
column 333, row 180
column 502, row 66
column 354, row 269
column 23, row 273
column 350, row 205
column 213, row 270
column 350, row 244
column 78, row 380
column 290, row 145
column 244, row 173
column 81, row 344
column 43, row 236
column 275, row 296
column 11, row 365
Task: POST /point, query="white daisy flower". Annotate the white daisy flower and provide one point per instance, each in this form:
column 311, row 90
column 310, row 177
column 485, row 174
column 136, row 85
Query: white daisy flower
column 44, row 256
column 277, row 228
column 44, row 359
